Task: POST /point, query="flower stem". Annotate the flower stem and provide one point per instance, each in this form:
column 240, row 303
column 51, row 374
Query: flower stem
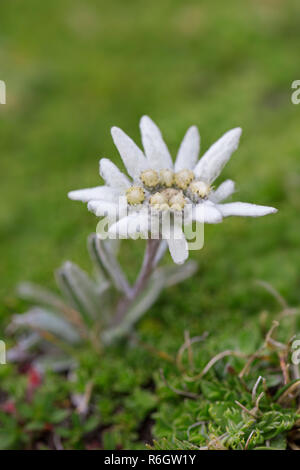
column 141, row 282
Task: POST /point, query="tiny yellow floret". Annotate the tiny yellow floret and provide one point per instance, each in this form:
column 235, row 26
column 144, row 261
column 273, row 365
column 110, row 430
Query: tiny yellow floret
column 200, row 188
column 135, row 195
column 169, row 192
column 166, row 177
column 177, row 202
column 157, row 199
column 164, row 207
column 183, row 178
column 149, row 178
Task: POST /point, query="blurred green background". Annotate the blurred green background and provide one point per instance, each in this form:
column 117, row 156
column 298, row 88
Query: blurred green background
column 75, row 68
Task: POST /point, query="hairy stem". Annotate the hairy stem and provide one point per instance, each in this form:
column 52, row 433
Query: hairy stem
column 141, row 282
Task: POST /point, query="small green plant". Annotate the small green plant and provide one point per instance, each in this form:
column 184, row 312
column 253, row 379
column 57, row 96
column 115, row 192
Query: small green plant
column 86, row 311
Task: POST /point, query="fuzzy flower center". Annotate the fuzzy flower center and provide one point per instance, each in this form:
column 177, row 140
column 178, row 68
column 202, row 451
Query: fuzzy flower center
column 167, row 190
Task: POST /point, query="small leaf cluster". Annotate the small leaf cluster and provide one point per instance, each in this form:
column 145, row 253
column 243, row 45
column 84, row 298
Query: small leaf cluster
column 86, row 310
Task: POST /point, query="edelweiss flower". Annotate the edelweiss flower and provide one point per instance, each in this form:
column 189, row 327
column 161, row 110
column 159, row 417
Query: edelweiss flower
column 167, row 189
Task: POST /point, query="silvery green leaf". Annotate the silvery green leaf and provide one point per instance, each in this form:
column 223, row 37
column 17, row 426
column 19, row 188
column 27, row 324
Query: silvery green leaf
column 41, row 319
column 174, row 274
column 30, row 291
column 83, row 293
column 113, row 245
column 103, row 255
column 100, row 272
column 139, row 307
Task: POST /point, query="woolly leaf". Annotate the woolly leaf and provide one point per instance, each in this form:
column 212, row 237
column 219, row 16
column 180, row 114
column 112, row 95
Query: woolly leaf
column 43, row 320
column 83, row 293
column 103, row 256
